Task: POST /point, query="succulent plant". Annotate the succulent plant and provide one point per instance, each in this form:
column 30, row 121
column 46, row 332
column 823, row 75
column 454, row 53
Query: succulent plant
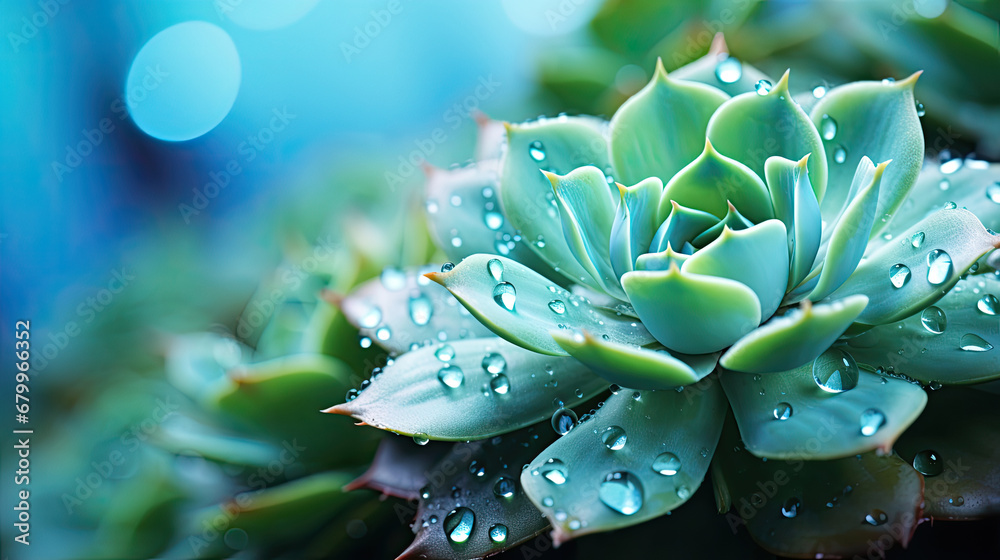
column 713, row 247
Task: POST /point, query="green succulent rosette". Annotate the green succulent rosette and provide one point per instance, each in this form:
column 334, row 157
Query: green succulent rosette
column 713, row 262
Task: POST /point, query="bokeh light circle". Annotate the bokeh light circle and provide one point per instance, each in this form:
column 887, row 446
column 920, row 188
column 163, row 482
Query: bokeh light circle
column 183, row 81
column 265, row 14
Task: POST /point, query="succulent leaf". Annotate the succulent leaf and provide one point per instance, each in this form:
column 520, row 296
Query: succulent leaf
column 635, row 223
column 464, row 397
column 787, row 415
column 753, row 127
column 662, row 128
column 679, row 226
column 795, row 204
column 797, row 338
column 874, row 119
column 617, row 468
column 536, row 305
column 400, row 467
column 718, row 69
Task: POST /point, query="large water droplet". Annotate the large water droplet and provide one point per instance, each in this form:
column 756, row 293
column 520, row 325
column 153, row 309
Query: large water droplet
column 495, row 268
column 899, row 275
column 835, row 371
column 498, row 533
column 494, row 363
column 729, row 70
column 993, row 192
column 763, row 87
column 828, row 127
column 563, row 421
column 536, row 150
column 477, row 469
column 420, row 439
column 928, row 463
column 876, row 517
column 819, row 91
column 500, row 384
column 988, row 304
column 452, row 376
column 458, row 524
column 445, row 353
column 917, row 239
column 383, row 333
column 421, row 310
column 871, row 420
column 667, row 464
column 940, row 267
column 839, row 154
column 950, row 166
column 783, row 411
column 614, row 438
column 505, row 487
column 622, row 492
column 933, row 319
column 554, row 471
column 505, row 295
column 493, row 219
column 974, row 343
column 791, row 507
column 557, row 306
column 371, row 318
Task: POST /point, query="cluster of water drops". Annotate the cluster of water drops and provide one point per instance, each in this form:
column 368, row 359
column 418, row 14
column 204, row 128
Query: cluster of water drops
column 493, row 364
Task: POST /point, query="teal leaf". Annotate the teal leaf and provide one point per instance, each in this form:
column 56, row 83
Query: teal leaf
column 635, row 367
column 608, row 461
column 929, row 345
column 849, row 238
column 636, row 221
column 953, row 444
column 721, row 70
column 196, row 364
column 490, row 137
column 523, row 306
column 794, row 339
column 733, row 220
column 662, row 260
column 817, row 424
column 692, row 313
column 679, row 226
column 403, row 308
column 461, row 399
column 795, row 204
column 662, row 128
column 755, row 257
column 952, row 242
column 807, row 509
column 753, row 127
column 489, row 513
column 587, row 211
column 874, row 119
column 557, row 145
column 400, row 467
column 711, row 182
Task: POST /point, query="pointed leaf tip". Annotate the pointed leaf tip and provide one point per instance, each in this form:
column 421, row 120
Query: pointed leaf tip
column 337, row 409
column 719, row 45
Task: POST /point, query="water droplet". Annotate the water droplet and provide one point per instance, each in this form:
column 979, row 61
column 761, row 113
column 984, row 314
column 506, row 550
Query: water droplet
column 536, row 150
column 445, row 353
column 498, row 533
column 920, row 108
column 425, row 492
column 871, row 420
column 458, row 524
column 371, row 318
column 783, row 411
column 451, row 376
column 940, row 267
column 835, row 371
column 988, row 304
column 554, row 471
column 840, row 154
column 933, row 319
column 563, row 421
column 495, row 268
column 494, row 363
column 791, row 507
column 421, row 310
column 505, row 295
column 500, row 384
column 504, row 487
column 365, row 342
column 447, row 267
column 917, row 239
column 432, row 207
column 728, row 70
column 557, row 306
column 993, row 192
column 493, row 220
column 928, row 463
column 614, row 438
column 477, row 469
column 383, row 333
column 393, row 279
column 876, row 517
column 951, row 166
column 956, row 501
column 899, row 275
column 763, row 87
column 828, row 127
column 944, row 185
column 974, row 343
column 683, row 492
column 622, row 492
column 819, row 91
column 421, row 439
column 667, row 464
column 351, row 395
column 950, row 205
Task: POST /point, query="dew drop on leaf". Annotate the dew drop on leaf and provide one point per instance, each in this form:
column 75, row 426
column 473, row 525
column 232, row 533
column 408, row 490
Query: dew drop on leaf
column 498, row 533
column 783, row 411
column 494, row 363
column 451, row 376
column 371, row 318
column 557, row 306
column 667, row 464
column 421, row 439
column 928, row 463
column 729, row 70
column 458, row 524
column 500, row 384
column 899, row 275
column 421, row 310
column 536, row 150
column 791, row 507
column 993, row 192
column 871, row 421
column 828, row 127
column 554, row 471
column 614, row 438
column 940, row 267
column 763, row 87
column 988, row 304
column 563, row 420
column 622, row 492
column 917, row 239
column 876, row 517
column 974, row 343
column 933, row 319
column 835, row 371
column 504, row 487
column 839, row 154
column 505, row 295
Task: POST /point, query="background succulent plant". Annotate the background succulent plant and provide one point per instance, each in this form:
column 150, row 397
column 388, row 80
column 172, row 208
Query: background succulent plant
column 721, row 237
